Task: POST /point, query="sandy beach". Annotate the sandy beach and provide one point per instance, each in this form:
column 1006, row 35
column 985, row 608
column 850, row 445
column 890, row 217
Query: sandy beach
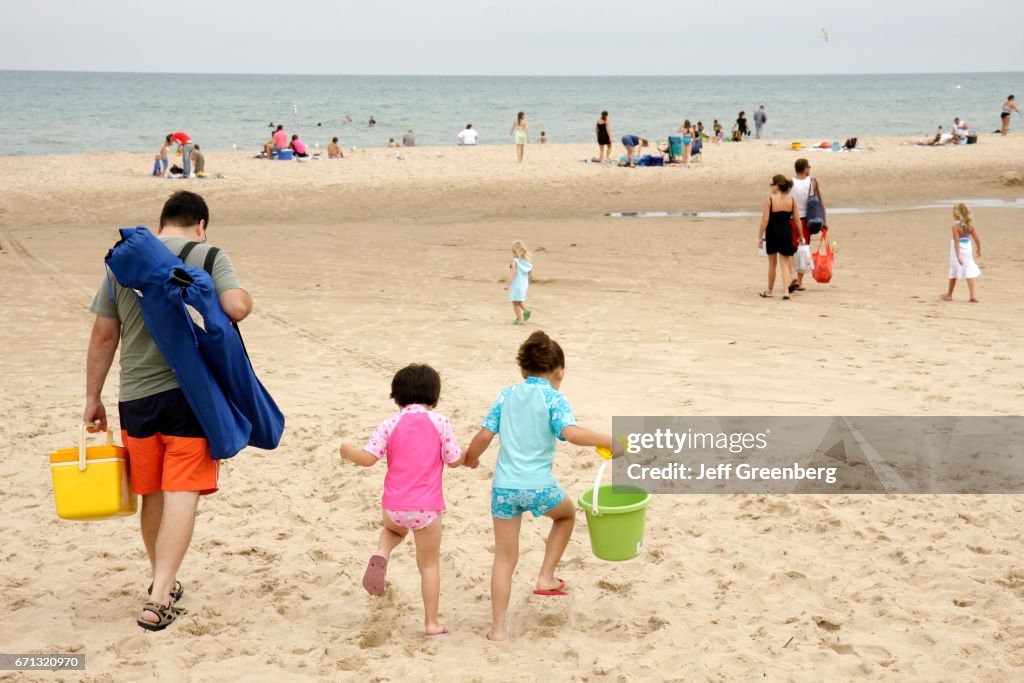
column 362, row 265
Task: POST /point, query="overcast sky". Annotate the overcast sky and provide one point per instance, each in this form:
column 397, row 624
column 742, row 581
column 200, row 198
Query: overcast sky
column 526, row 37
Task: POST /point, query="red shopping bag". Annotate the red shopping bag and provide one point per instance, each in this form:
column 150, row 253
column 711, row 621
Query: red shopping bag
column 823, row 263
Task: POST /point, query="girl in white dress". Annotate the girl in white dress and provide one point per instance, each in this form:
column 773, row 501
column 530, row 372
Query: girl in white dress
column 961, row 255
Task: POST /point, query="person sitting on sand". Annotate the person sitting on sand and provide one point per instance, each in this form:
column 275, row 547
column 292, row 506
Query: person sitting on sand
column 631, row 143
column 278, row 141
column 530, row 418
column 298, row 146
column 468, row 136
column 198, row 162
column 543, row 139
column 392, row 143
column 334, row 150
column 416, row 444
column 960, row 130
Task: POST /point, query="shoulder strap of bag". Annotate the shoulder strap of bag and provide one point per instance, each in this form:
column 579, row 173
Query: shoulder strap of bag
column 211, row 256
column 810, row 191
column 187, row 250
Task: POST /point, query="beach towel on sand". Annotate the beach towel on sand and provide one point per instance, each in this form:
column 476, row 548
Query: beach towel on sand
column 182, row 313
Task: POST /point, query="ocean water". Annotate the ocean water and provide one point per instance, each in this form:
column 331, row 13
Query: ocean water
column 74, row 112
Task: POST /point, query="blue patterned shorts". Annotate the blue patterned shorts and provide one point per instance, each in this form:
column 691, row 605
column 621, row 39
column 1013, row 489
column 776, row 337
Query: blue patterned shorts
column 510, row 503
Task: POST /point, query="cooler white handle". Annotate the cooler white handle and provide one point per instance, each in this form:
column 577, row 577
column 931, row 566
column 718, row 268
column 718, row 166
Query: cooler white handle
column 81, row 444
column 597, row 485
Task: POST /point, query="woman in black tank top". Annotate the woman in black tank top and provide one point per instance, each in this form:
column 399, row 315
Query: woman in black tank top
column 776, row 235
column 604, row 137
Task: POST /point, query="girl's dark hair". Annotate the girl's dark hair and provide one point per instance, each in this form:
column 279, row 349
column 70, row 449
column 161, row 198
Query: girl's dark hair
column 334, row 140
column 604, row 115
column 519, row 116
column 168, row 138
column 540, row 354
column 416, row 384
column 782, row 182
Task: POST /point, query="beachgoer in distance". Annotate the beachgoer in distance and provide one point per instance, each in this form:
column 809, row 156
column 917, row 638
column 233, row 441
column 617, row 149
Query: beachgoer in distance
column 392, row 143
column 776, row 235
column 1008, row 106
column 960, row 130
column 543, row 139
column 802, row 184
column 631, row 142
column 467, row 136
column 168, row 454
column 278, row 141
column 416, row 444
column 717, row 128
column 530, row 418
column 198, row 162
column 372, row 122
column 184, row 151
column 739, row 129
column 521, row 131
column 961, row 256
column 518, row 281
column 409, row 139
column 760, row 118
column 701, row 133
column 688, row 136
column 604, row 138
column 334, row 150
column 298, row 146
column 161, row 156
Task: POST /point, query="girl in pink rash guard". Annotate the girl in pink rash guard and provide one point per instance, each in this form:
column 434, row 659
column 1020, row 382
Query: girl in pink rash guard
column 417, row 443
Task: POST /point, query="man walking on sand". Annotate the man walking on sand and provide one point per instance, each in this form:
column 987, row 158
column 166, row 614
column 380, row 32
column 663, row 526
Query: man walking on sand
column 168, row 453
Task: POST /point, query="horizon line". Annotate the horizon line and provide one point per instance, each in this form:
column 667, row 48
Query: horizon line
column 505, row 75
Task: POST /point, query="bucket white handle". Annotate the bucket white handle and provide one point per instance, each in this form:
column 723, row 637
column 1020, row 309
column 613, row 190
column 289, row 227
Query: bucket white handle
column 597, row 485
column 81, row 444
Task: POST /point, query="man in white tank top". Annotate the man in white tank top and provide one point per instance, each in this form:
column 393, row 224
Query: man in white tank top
column 802, row 183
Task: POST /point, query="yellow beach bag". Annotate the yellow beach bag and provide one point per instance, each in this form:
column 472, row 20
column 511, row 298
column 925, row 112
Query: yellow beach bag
column 92, row 483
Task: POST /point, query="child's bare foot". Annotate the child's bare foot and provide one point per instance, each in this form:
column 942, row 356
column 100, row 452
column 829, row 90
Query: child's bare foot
column 496, row 635
column 974, row 301
column 945, row 297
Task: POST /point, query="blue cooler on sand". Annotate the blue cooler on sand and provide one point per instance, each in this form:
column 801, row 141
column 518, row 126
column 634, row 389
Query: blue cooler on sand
column 284, row 155
column 836, row 146
column 675, row 145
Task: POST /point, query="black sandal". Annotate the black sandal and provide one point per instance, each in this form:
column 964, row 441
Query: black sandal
column 176, row 592
column 166, row 613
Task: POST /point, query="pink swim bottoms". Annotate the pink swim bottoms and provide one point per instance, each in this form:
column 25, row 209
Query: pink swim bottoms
column 413, row 519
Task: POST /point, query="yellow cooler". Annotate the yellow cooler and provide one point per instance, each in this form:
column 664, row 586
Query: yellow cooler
column 92, row 483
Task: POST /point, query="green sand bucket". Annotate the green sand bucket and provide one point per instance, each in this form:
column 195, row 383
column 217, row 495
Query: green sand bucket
column 615, row 518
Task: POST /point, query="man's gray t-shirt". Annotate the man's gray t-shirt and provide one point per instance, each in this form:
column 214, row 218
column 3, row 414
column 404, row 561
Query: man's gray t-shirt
column 144, row 371
column 760, row 118
column 408, row 140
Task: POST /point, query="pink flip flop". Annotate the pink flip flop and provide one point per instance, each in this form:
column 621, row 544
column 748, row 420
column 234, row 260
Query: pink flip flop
column 375, row 577
column 554, row 591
